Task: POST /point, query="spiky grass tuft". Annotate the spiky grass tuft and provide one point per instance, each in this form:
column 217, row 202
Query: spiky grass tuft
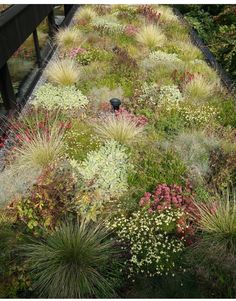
column 151, row 36
column 221, row 219
column 199, row 89
column 86, row 13
column 37, row 149
column 72, row 262
column 120, row 128
column 68, row 38
column 63, row 72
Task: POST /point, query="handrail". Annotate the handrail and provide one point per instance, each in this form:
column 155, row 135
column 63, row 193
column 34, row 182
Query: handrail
column 16, row 25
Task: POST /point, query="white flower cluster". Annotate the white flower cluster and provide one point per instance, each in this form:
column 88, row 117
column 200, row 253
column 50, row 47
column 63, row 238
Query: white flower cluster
column 149, row 94
column 106, row 169
column 198, row 114
column 51, row 97
column 148, row 236
column 169, row 96
column 160, row 57
column 107, row 24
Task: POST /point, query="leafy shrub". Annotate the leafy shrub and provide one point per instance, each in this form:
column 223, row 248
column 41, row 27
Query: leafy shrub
column 63, row 72
column 151, row 36
column 217, row 29
column 149, row 95
column 50, row 200
column 123, row 59
column 223, row 167
column 149, row 240
column 119, row 128
column 107, row 24
column 160, row 58
column 59, row 97
column 169, row 97
column 72, row 262
column 105, row 170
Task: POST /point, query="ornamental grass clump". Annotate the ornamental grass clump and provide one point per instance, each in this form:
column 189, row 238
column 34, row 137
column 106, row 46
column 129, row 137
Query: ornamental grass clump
column 166, row 14
column 65, row 98
column 63, row 72
column 37, row 149
column 86, row 13
column 151, row 36
column 119, row 128
column 72, row 262
column 68, row 38
column 218, row 221
column 194, row 149
column 148, row 238
column 37, row 144
column 199, row 89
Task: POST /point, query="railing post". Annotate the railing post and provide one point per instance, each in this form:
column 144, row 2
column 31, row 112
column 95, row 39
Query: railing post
column 51, row 23
column 7, row 91
column 37, row 48
column 67, row 8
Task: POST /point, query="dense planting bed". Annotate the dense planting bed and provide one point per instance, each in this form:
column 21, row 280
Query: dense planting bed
column 135, row 202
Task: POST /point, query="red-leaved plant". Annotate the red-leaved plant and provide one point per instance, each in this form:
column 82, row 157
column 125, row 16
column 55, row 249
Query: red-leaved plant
column 183, row 78
column 130, row 30
column 139, row 120
column 149, row 13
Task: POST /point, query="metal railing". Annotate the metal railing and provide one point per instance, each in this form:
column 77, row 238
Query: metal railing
column 17, row 23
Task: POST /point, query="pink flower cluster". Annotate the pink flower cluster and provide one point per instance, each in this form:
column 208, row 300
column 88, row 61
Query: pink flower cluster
column 139, row 120
column 168, row 196
column 130, row 30
column 75, row 51
column 173, row 197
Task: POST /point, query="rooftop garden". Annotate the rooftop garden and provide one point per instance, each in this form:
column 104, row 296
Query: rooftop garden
column 119, row 174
